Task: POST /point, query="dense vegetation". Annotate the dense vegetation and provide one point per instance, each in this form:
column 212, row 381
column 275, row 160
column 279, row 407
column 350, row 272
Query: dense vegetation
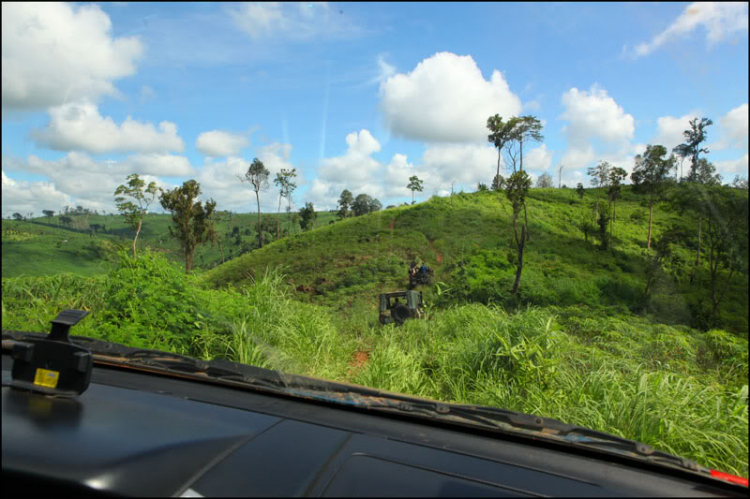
column 675, row 388
column 614, row 337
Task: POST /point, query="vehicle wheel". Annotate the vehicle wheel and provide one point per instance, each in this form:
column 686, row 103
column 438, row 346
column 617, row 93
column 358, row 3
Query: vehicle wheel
column 400, row 313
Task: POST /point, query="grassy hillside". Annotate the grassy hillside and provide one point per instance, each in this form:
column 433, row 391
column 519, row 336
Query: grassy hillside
column 579, row 343
column 42, row 246
column 675, row 388
column 466, row 240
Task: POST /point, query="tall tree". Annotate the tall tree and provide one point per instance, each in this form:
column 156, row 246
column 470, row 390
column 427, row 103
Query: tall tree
column 257, row 174
column 361, row 205
column 544, row 181
column 559, row 175
column 500, row 134
column 580, row 190
column 650, row 176
column 191, row 219
column 599, row 178
column 17, row 216
column 691, row 148
column 374, row 205
column 49, row 214
column 516, row 189
column 346, row 200
column 307, row 216
column 284, row 181
column 614, row 192
column 526, row 129
column 134, row 212
column 414, row 185
column 725, row 212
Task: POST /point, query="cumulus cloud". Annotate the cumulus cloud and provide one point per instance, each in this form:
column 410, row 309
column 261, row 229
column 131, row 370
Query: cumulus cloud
column 218, row 179
column 30, row 197
column 92, row 183
column 731, row 167
column 355, row 170
column 54, row 53
column 719, row 19
column 464, row 164
column 594, row 114
column 445, row 99
column 734, row 126
column 79, row 126
column 576, row 158
column 217, row 143
column 538, row 159
column 299, row 21
column 670, row 129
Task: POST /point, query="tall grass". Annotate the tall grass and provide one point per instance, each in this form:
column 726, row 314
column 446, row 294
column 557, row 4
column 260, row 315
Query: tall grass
column 674, row 388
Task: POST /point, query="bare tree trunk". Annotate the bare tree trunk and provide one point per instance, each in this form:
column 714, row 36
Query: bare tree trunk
column 519, row 267
column 497, row 176
column 520, row 142
column 697, row 252
column 278, row 220
column 612, row 225
column 526, row 221
column 260, row 228
column 137, row 231
column 650, row 218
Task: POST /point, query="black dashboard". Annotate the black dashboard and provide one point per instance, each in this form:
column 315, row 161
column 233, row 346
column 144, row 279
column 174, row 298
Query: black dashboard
column 134, row 433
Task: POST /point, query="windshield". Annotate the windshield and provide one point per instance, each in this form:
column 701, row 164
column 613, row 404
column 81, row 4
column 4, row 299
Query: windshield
column 534, row 207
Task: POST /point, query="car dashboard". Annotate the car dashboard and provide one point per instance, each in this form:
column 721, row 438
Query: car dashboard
column 134, row 433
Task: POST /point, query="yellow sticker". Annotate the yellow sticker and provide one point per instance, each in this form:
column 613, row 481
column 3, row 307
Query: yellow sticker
column 46, row 378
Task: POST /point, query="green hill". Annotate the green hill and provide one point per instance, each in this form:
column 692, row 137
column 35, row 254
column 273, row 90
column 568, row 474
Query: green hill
column 579, row 343
column 466, row 239
column 41, row 246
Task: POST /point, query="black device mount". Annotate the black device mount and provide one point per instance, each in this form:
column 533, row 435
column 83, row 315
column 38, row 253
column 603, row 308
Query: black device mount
column 53, row 365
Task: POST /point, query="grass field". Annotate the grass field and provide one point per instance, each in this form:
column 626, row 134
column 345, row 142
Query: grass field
column 580, row 343
column 41, row 246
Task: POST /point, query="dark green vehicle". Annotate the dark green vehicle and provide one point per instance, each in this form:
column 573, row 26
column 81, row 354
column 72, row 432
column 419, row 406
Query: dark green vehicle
column 400, row 311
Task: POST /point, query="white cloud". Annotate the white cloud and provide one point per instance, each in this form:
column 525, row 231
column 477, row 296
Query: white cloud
column 735, row 128
column 464, row 164
column 30, row 197
column 218, row 180
column 539, row 159
column 670, row 129
column 217, row 143
column 302, row 21
column 731, row 167
column 167, row 165
column 355, row 170
column 54, row 53
column 445, row 99
column 92, row 183
column 79, row 126
column 594, row 114
column 576, row 158
column 720, row 19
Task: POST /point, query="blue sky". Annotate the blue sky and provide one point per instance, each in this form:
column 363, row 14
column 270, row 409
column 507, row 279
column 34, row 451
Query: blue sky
column 356, row 96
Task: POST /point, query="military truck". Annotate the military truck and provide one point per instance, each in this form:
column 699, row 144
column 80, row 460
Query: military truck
column 392, row 309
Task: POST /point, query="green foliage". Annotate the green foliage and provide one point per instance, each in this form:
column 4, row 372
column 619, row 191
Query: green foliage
column 307, row 216
column 676, row 389
column 345, row 203
column 133, row 212
column 191, row 219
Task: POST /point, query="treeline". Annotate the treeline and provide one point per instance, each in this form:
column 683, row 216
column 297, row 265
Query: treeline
column 718, row 214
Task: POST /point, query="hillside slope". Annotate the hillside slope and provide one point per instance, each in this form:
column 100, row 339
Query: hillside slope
column 466, row 240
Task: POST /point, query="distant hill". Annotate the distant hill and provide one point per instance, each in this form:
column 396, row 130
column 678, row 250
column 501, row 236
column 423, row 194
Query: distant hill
column 466, row 240
column 42, row 246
